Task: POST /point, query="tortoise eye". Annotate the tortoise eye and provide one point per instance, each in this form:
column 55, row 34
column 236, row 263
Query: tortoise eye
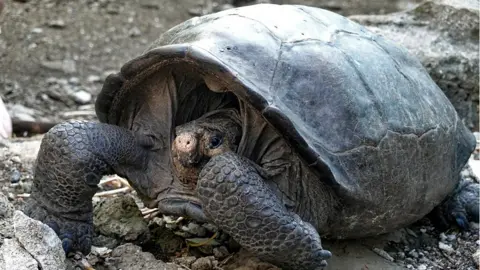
column 215, row 141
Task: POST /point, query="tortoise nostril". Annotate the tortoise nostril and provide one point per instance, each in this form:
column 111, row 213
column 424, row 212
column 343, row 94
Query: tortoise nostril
column 187, row 143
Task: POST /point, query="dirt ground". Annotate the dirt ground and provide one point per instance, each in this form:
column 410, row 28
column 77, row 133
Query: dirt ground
column 55, row 54
column 51, row 50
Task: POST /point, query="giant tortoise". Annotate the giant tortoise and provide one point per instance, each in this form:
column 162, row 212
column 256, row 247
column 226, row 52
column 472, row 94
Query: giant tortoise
column 278, row 123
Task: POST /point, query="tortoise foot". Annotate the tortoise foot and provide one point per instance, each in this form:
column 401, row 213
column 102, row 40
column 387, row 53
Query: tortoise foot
column 460, row 208
column 237, row 199
column 75, row 235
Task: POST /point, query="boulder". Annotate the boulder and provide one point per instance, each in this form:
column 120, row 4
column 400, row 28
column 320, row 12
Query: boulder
column 40, row 241
column 444, row 35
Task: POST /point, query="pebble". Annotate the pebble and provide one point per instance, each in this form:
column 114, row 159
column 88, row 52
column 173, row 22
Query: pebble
column 383, row 253
column 81, row 97
column 445, row 247
column 67, row 66
column 476, row 257
column 21, row 113
column 220, row 252
column 74, row 81
column 100, row 251
column 443, row 237
column 134, row 32
column 185, row 261
column 16, row 159
column 37, row 30
column 15, row 176
column 422, row 267
column 413, row 253
column 203, row 263
column 410, row 232
column 94, row 79
column 59, row 24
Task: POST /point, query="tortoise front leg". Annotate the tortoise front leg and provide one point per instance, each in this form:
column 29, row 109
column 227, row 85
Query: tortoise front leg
column 72, row 159
column 237, row 199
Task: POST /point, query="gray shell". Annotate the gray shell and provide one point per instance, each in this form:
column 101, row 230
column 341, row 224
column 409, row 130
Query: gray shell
column 353, row 104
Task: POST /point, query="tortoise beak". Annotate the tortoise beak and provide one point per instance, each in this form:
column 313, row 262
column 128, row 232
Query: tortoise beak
column 185, row 149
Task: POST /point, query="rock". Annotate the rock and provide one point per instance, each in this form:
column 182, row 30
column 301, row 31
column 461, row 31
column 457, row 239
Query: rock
column 134, row 32
column 243, row 260
column 149, row 4
column 15, row 177
column 59, row 24
column 203, row 263
column 120, row 217
column 131, row 257
column 413, row 253
column 5, row 121
column 6, row 218
column 100, row 251
column 105, row 241
column 40, row 241
column 14, row 256
column 422, row 267
column 220, row 252
column 21, row 113
column 94, row 79
column 383, row 253
column 81, row 97
column 443, row 34
column 74, row 81
column 476, row 257
column 66, row 66
column 185, row 261
column 445, row 247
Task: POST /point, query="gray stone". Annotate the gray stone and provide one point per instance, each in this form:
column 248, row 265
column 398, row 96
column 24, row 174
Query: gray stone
column 14, row 256
column 81, row 97
column 119, row 217
column 66, row 66
column 59, row 24
column 94, row 79
column 6, row 218
column 130, row 256
column 203, row 263
column 21, row 113
column 445, row 247
column 476, row 257
column 444, row 35
column 40, row 241
column 185, row 261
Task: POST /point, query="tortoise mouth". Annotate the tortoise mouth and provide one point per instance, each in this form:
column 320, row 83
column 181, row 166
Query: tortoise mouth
column 182, row 205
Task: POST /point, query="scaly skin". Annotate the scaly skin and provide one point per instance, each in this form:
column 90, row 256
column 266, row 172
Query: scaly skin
column 72, row 159
column 238, row 200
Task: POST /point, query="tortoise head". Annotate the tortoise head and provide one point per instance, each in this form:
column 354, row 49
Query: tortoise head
column 199, row 140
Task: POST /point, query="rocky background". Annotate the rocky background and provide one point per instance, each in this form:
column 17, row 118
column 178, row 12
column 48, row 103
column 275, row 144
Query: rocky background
column 54, row 56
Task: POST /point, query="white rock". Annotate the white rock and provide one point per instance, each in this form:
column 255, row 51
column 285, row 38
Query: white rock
column 94, row 78
column 40, row 241
column 445, row 247
column 14, row 256
column 383, row 254
column 422, row 267
column 81, row 97
column 476, row 257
